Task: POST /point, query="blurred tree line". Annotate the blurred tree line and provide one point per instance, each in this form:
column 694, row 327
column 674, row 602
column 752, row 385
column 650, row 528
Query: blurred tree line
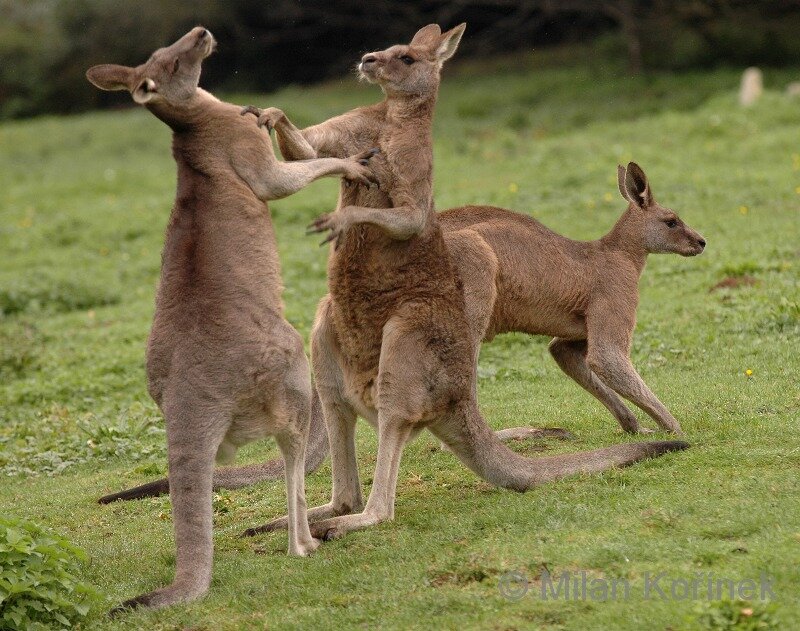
column 47, row 45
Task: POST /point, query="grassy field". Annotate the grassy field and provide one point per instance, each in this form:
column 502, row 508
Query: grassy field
column 83, row 205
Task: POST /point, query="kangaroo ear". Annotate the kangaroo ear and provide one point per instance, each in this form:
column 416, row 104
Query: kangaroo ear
column 427, row 36
column 636, row 188
column 621, row 181
column 448, row 43
column 145, row 91
column 110, row 76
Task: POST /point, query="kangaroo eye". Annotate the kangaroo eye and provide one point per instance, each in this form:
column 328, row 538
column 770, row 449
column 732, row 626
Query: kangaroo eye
column 176, row 65
column 671, row 223
column 407, row 59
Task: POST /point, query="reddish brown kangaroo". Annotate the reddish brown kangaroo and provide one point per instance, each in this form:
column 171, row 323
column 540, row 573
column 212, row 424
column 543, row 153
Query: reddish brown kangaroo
column 583, row 294
column 391, row 342
column 223, row 364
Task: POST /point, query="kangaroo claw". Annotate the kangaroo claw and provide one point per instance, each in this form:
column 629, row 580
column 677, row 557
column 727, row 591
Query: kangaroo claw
column 250, row 109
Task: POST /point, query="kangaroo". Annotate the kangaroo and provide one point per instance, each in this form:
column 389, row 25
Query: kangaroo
column 583, row 294
column 223, row 364
column 391, row 342
column 505, row 261
column 359, row 127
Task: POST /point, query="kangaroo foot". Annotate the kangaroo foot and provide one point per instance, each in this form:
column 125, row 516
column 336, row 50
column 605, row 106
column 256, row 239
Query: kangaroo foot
column 304, row 548
column 525, row 433
column 314, row 514
column 336, row 527
column 159, row 598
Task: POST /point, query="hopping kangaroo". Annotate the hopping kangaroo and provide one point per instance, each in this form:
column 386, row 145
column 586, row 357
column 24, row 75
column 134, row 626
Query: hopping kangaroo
column 391, row 342
column 583, row 294
column 223, row 364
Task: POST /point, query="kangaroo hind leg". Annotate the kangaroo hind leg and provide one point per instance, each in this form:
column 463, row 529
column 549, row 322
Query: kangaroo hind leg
column 340, row 419
column 571, row 358
column 195, row 430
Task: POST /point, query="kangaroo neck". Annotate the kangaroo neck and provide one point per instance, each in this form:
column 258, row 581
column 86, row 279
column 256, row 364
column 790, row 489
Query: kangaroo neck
column 187, row 115
column 626, row 238
column 416, row 108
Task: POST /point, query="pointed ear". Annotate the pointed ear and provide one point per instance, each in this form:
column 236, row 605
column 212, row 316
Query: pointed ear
column 427, row 36
column 144, row 91
column 448, row 43
column 637, row 188
column 621, row 180
column 110, row 76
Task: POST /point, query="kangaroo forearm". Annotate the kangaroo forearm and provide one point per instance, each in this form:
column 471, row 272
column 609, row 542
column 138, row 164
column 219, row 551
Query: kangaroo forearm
column 290, row 177
column 293, row 144
column 341, row 136
column 399, row 223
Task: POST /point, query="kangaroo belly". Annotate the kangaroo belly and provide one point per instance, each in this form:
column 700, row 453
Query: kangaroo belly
column 374, row 281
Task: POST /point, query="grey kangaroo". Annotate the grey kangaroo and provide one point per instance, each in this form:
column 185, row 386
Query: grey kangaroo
column 391, row 342
column 505, row 261
column 223, row 364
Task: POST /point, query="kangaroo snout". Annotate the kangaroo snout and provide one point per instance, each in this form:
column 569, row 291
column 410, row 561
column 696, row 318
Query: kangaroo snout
column 698, row 243
column 204, row 39
column 367, row 66
column 200, row 33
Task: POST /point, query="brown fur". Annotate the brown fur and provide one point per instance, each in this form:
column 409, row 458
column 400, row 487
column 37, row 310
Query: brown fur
column 223, row 364
column 391, row 342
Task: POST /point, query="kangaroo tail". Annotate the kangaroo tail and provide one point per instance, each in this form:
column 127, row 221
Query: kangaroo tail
column 470, row 438
column 237, row 477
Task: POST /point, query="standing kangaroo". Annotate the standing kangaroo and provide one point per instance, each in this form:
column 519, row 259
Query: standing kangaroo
column 223, row 364
column 519, row 276
column 360, row 127
column 391, row 342
column 583, row 294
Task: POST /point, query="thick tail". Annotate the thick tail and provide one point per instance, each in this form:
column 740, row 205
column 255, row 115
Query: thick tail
column 237, row 477
column 471, row 439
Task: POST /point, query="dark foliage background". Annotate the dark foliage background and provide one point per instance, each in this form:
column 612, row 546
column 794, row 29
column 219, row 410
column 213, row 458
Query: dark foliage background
column 46, row 45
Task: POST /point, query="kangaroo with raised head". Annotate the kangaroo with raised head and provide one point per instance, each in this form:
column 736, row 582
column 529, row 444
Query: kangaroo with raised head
column 520, row 276
column 391, row 342
column 583, row 294
column 359, row 127
column 223, row 364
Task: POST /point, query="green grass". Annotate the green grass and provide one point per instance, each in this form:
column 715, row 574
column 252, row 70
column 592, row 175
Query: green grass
column 83, row 205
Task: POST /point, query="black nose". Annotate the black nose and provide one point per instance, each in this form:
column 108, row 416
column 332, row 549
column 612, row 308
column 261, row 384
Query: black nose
column 202, row 33
column 369, row 59
column 702, row 242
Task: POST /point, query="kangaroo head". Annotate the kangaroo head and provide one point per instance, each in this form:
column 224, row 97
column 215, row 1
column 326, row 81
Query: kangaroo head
column 660, row 228
column 412, row 69
column 170, row 76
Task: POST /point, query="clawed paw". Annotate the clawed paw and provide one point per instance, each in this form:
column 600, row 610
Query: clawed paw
column 332, row 222
column 358, row 171
column 268, row 117
column 364, row 156
column 250, row 109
